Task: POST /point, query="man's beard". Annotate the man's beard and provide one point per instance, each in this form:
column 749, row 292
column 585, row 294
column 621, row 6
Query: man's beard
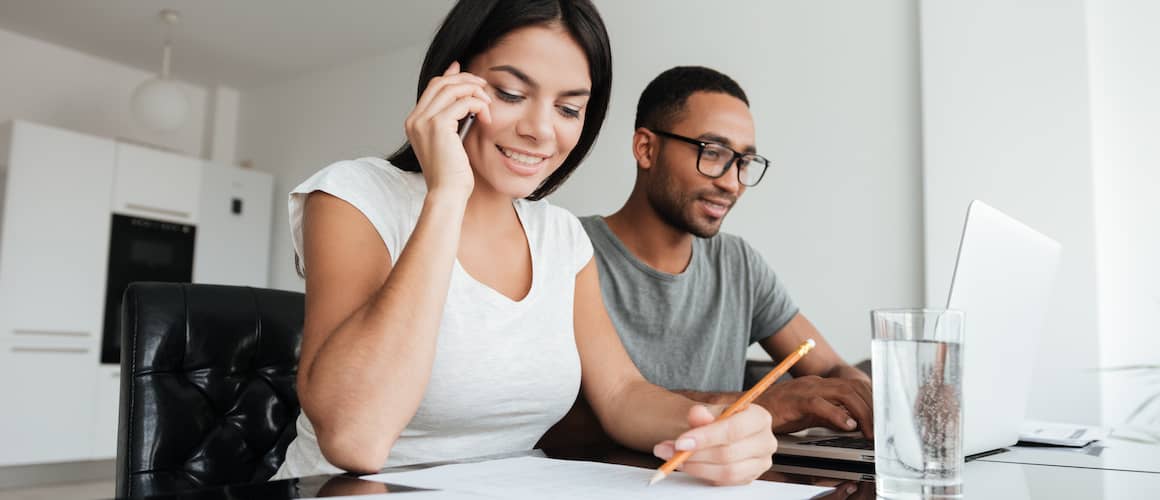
column 666, row 198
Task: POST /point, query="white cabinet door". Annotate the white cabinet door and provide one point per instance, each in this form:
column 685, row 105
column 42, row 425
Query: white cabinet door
column 108, row 404
column 47, row 401
column 156, row 185
column 54, row 239
column 233, row 233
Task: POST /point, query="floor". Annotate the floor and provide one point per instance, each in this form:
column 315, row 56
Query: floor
column 92, row 490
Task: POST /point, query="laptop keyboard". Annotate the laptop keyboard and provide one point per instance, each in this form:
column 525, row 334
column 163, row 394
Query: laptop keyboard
column 855, row 443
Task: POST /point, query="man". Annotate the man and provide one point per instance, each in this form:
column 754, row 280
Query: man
column 688, row 300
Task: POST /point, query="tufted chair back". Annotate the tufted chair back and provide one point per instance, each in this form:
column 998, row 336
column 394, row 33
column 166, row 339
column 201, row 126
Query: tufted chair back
column 207, row 385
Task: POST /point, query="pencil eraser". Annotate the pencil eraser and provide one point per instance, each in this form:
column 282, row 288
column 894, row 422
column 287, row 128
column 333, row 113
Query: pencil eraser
column 811, row 343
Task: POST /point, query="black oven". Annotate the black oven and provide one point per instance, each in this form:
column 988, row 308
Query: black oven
column 141, row 250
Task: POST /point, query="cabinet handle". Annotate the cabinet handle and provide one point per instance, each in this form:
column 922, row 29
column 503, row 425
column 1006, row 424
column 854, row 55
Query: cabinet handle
column 42, row 350
column 156, row 210
column 52, row 333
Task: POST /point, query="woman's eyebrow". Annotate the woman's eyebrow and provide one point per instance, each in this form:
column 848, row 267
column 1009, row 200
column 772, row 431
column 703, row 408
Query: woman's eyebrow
column 523, row 77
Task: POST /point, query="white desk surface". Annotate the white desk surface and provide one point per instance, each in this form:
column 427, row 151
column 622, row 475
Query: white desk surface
column 1005, row 481
column 1108, row 454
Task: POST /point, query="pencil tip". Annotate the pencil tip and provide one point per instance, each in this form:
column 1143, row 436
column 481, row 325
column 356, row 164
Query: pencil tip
column 811, row 343
column 656, row 478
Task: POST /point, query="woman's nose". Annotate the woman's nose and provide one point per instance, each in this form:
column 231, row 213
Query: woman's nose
column 536, row 124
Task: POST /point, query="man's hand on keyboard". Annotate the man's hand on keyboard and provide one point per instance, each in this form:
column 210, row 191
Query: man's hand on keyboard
column 837, row 403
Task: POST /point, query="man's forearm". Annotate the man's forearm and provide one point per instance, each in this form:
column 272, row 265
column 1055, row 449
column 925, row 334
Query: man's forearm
column 848, row 372
column 714, row 398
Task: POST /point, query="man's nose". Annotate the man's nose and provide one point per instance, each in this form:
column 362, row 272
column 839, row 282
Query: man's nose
column 729, row 182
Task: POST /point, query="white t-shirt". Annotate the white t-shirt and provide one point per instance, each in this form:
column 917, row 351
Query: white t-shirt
column 504, row 371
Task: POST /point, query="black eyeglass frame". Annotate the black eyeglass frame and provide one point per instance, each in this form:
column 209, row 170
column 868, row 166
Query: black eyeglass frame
column 701, row 145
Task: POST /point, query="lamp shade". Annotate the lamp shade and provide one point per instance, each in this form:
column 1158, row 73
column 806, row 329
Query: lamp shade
column 160, row 104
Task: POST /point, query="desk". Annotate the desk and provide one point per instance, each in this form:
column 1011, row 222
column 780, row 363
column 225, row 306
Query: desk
column 991, row 479
column 1109, row 454
column 983, row 479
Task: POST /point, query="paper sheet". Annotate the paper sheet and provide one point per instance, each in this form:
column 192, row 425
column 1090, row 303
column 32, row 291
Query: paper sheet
column 426, row 495
column 539, row 478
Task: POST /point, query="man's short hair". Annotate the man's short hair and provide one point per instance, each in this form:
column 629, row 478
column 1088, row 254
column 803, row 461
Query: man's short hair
column 664, row 98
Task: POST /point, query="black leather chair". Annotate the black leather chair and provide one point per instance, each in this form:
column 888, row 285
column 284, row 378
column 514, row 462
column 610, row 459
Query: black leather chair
column 207, row 385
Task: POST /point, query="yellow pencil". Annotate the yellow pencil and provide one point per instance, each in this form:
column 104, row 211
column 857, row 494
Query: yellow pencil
column 739, row 405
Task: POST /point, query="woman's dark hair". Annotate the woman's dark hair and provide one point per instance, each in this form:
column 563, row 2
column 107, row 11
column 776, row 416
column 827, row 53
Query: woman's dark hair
column 474, row 26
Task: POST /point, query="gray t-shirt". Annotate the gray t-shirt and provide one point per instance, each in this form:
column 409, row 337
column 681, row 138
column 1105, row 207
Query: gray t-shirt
column 691, row 330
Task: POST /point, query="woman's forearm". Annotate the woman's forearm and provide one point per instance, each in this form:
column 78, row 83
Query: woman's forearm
column 368, row 377
column 645, row 414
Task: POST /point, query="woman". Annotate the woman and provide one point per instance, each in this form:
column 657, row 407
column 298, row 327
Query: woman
column 449, row 312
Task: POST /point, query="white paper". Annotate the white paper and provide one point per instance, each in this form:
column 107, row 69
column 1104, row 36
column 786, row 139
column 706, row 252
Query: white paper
column 539, row 478
column 427, row 495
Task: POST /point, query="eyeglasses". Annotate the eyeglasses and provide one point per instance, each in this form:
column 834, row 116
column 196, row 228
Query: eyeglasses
column 714, row 159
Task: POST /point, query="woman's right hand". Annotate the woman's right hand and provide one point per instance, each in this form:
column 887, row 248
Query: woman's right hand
column 731, row 451
column 432, row 129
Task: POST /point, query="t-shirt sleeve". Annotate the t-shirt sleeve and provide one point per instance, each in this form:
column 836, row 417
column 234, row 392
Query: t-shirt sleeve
column 566, row 239
column 581, row 245
column 380, row 193
column 772, row 305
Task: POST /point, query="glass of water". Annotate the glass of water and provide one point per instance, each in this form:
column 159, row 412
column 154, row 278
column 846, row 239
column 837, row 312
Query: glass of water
column 918, row 394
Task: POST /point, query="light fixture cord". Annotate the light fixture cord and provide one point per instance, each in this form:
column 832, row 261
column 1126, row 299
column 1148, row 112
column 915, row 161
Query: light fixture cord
column 170, row 18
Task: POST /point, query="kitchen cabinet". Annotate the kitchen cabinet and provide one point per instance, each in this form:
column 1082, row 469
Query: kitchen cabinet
column 48, row 401
column 54, row 234
column 156, row 184
column 58, row 192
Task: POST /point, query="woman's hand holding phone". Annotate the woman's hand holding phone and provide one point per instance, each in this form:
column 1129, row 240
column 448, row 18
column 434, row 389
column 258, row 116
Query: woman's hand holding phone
column 433, row 129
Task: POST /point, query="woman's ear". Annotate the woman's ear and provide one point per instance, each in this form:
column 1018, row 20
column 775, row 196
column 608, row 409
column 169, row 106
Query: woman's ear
column 645, row 146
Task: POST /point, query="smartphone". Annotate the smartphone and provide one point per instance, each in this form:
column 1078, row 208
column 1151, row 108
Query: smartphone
column 465, row 125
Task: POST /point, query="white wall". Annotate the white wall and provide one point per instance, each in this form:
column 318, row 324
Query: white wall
column 834, row 92
column 61, row 87
column 1005, row 120
column 295, row 128
column 221, row 134
column 1125, row 110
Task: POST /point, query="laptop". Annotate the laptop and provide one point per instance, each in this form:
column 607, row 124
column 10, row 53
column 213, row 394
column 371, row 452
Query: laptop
column 1002, row 282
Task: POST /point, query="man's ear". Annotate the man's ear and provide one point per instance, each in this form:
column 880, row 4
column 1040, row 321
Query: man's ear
column 645, row 146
